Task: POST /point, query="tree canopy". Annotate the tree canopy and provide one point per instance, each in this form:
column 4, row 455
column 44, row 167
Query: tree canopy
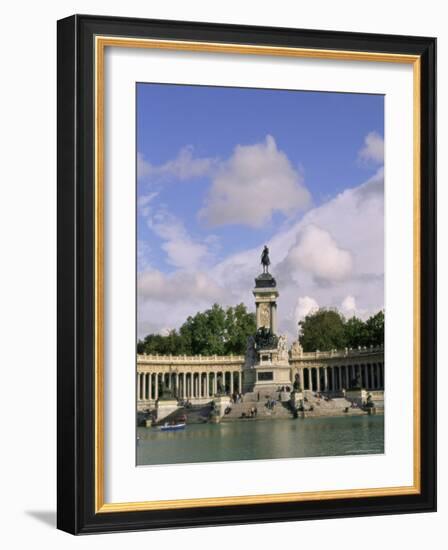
column 327, row 329
column 214, row 331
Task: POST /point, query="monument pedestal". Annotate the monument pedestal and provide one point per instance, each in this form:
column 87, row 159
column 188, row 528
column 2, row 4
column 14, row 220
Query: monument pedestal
column 165, row 408
column 221, row 403
column 267, row 367
column 358, row 395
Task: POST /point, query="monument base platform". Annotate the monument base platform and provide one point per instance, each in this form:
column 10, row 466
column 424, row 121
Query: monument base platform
column 267, row 378
column 165, row 408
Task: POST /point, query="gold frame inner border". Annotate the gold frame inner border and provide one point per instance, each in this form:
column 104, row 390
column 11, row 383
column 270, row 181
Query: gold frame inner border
column 101, row 43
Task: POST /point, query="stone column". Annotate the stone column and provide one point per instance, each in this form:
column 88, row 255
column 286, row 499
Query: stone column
column 240, row 386
column 274, row 318
column 144, row 386
column 138, row 386
column 156, row 386
column 318, row 379
column 231, row 382
column 325, row 379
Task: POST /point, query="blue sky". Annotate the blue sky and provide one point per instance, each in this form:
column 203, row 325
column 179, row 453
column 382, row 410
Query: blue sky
column 222, row 171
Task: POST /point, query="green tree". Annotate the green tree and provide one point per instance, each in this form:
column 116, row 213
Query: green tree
column 240, row 324
column 214, row 331
column 322, row 330
column 375, row 330
column 355, row 333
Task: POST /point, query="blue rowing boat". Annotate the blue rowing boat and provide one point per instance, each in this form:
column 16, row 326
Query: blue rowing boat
column 172, row 427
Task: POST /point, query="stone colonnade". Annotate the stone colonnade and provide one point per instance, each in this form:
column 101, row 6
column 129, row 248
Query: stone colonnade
column 188, row 384
column 338, row 377
column 201, row 377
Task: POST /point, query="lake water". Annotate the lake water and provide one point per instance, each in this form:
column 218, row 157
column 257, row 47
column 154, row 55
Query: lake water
column 263, row 439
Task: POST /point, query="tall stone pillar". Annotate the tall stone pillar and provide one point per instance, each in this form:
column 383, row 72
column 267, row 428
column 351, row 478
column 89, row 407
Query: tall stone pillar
column 144, row 386
column 156, row 386
column 239, row 382
column 232, row 389
column 274, row 318
column 266, row 294
column 318, row 379
column 138, row 386
column 325, row 379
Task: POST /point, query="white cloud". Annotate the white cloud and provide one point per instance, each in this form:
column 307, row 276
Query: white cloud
column 373, row 150
column 165, row 301
column 317, row 252
column 143, row 203
column 143, row 250
column 351, row 222
column 178, row 287
column 184, row 167
column 182, row 250
column 305, row 305
column 256, row 181
column 348, row 305
column 354, row 220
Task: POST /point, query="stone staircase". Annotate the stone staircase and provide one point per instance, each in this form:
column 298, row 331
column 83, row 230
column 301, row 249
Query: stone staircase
column 196, row 414
column 242, row 410
column 335, row 406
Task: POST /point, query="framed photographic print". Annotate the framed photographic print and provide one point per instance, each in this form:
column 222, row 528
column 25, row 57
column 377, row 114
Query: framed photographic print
column 246, row 274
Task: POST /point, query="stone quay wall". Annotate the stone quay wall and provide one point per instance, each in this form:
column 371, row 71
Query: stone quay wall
column 196, row 378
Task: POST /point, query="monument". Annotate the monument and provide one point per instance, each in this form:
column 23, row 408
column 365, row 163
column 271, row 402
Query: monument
column 268, row 367
column 267, row 362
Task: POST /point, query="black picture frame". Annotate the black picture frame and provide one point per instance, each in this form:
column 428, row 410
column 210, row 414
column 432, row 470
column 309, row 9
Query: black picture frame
column 76, row 511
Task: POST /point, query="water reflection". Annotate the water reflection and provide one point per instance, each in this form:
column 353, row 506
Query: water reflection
column 249, row 440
